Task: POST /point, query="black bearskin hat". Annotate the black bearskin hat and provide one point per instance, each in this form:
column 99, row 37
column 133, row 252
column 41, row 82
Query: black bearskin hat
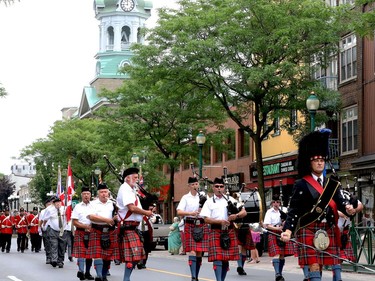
column 312, row 146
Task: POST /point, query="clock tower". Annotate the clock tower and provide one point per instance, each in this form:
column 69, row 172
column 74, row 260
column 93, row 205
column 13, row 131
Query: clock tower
column 120, row 22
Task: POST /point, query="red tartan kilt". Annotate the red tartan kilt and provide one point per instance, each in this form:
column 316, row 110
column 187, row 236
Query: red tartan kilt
column 309, row 256
column 79, row 249
column 216, row 253
column 131, row 247
column 274, row 249
column 190, row 244
column 347, row 252
column 95, row 251
column 249, row 243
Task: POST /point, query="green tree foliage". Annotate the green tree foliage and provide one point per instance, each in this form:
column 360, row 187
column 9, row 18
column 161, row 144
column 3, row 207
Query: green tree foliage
column 80, row 142
column 252, row 57
column 160, row 115
column 6, row 189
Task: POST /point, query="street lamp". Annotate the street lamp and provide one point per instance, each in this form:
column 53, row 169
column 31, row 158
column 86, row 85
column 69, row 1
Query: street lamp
column 27, row 201
column 312, row 104
column 135, row 159
column 201, row 140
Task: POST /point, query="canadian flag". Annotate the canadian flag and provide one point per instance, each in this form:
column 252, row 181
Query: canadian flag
column 69, row 193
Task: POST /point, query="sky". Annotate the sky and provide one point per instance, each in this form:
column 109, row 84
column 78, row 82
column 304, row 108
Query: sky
column 47, row 50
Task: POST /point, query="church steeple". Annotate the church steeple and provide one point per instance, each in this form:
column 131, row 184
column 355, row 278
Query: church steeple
column 119, row 27
column 120, row 24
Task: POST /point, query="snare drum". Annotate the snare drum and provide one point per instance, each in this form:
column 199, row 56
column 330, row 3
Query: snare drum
column 253, row 205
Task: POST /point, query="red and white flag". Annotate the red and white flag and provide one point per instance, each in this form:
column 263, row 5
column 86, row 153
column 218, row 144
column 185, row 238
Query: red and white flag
column 69, row 192
column 59, row 188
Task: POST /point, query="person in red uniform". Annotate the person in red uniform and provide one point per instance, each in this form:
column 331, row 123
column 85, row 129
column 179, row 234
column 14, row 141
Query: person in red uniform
column 21, row 224
column 35, row 238
column 6, row 229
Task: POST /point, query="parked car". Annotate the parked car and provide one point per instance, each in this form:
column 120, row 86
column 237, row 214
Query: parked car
column 161, row 231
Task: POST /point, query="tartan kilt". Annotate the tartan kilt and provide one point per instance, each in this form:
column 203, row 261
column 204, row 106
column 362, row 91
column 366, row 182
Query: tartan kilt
column 274, row 249
column 249, row 243
column 131, row 247
column 95, row 250
column 347, row 252
column 79, row 249
column 216, row 253
column 309, row 256
column 190, row 244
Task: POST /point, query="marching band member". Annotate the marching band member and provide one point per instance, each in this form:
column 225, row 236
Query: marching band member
column 6, row 224
column 103, row 246
column 223, row 245
column 21, row 224
column 55, row 216
column 273, row 222
column 130, row 213
column 313, row 207
column 43, row 228
column 35, row 239
column 82, row 234
column 189, row 208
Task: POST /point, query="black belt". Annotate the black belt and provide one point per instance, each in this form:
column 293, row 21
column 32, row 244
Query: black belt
column 193, row 220
column 80, row 229
column 218, row 226
column 101, row 227
column 128, row 227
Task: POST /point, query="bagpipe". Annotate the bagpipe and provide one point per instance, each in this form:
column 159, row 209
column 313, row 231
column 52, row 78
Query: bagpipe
column 202, row 194
column 147, row 199
column 231, row 207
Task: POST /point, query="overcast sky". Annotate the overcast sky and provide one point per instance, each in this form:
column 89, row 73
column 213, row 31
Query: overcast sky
column 47, row 51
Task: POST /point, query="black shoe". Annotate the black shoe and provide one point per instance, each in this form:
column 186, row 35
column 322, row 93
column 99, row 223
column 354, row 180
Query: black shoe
column 108, row 274
column 8, row 251
column 305, row 279
column 105, row 279
column 61, row 265
column 88, row 276
column 279, row 277
column 117, row 262
column 70, row 258
column 54, row 264
column 240, row 271
column 3, row 250
column 98, row 279
column 80, row 275
column 48, row 262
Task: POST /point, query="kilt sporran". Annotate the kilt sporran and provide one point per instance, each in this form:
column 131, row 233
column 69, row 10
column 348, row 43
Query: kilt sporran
column 197, row 231
column 224, row 240
column 321, row 240
column 86, row 239
column 105, row 241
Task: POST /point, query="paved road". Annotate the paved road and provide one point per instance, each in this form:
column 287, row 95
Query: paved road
column 30, row 266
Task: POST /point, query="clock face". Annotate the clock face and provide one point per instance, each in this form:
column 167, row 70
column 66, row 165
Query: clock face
column 127, row 5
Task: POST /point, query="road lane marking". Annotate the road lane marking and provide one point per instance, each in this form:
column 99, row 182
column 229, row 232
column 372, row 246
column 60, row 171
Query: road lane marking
column 14, row 278
column 177, row 274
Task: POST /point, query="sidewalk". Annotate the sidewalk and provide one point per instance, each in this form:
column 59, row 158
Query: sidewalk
column 291, row 265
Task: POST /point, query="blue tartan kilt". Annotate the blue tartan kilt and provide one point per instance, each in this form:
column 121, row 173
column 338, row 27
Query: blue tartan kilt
column 216, row 253
column 307, row 255
column 190, row 244
column 274, row 249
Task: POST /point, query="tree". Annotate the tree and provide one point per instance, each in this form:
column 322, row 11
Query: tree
column 6, row 189
column 163, row 116
column 77, row 140
column 253, row 57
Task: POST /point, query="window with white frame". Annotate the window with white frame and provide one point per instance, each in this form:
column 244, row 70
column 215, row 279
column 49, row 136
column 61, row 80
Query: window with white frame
column 349, row 130
column 348, row 58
